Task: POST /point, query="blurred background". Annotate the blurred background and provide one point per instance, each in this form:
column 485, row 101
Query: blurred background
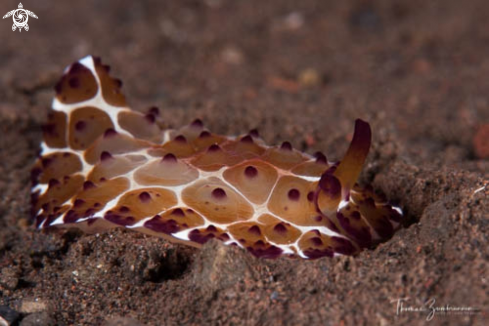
column 299, row 70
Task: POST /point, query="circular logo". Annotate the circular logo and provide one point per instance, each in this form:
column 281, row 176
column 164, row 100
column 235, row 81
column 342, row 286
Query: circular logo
column 20, row 18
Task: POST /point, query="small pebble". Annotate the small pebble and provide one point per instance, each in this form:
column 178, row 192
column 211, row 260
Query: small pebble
column 309, row 77
column 38, row 319
column 32, row 306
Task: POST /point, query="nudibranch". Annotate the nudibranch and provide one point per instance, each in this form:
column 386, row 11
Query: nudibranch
column 103, row 165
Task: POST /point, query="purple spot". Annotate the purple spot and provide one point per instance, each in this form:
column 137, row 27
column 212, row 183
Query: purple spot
column 254, row 133
column 144, row 197
column 310, row 196
column 74, row 82
column 280, row 228
column 320, row 158
column 105, row 156
column 109, row 133
column 270, row 252
column 178, row 212
column 158, row 225
column 286, row 146
column 361, row 235
column 154, row 111
column 316, row 241
column 71, row 216
column 97, row 205
column 150, row 118
column 211, row 228
column 316, row 253
column 197, row 123
column 318, row 218
column 254, row 230
column 355, row 215
column 251, row 171
column 124, row 209
column 224, row 237
column 218, row 193
column 76, row 68
column 118, row 219
column 259, row 243
column 214, row 148
column 87, row 185
column 53, row 183
column 344, row 246
column 46, row 162
column 198, row 237
column 78, row 203
column 180, row 139
column 90, row 212
column 294, row 194
column 91, row 221
column 246, row 139
column 330, row 185
column 204, row 134
column 169, row 158
column 117, row 82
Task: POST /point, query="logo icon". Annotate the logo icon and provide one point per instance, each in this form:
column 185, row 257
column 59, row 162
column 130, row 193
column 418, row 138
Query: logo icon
column 20, row 17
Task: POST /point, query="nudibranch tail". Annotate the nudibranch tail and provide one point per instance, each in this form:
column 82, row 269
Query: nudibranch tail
column 104, row 165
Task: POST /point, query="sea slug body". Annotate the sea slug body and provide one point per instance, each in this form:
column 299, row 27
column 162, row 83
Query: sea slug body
column 104, row 165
